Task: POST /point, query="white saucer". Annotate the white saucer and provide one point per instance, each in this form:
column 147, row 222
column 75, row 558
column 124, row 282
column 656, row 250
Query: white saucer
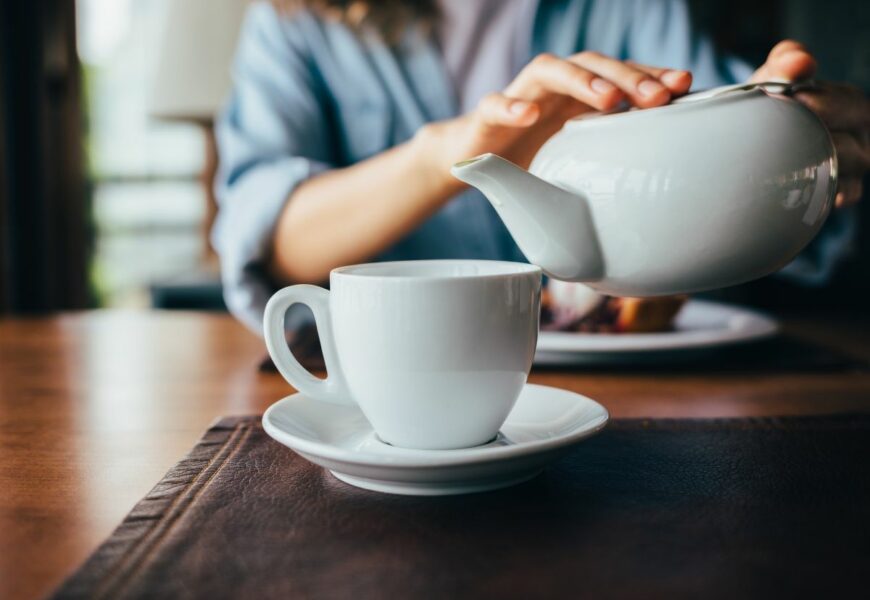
column 543, row 424
column 700, row 325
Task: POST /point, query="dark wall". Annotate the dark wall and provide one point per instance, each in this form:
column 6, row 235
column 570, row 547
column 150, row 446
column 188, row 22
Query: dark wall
column 43, row 212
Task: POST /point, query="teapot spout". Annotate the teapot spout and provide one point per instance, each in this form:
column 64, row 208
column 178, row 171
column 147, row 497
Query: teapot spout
column 552, row 227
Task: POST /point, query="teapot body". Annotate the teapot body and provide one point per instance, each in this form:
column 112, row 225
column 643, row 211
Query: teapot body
column 695, row 195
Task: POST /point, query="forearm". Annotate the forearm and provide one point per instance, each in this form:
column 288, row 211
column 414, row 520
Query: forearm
column 349, row 215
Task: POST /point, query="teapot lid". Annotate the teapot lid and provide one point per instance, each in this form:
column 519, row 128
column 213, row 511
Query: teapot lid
column 781, row 87
column 772, row 87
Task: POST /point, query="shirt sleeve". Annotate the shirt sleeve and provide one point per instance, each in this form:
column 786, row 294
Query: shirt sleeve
column 661, row 33
column 272, row 135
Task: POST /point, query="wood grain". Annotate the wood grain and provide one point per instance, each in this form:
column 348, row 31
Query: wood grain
column 95, row 407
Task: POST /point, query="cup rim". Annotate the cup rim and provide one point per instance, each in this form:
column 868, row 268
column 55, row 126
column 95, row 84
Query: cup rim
column 500, row 269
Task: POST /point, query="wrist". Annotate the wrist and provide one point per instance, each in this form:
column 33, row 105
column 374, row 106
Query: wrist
column 433, row 162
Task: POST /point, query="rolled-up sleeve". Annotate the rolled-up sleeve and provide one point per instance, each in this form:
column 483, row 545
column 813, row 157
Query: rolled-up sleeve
column 272, row 136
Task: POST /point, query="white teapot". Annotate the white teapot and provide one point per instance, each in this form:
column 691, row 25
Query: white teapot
column 712, row 190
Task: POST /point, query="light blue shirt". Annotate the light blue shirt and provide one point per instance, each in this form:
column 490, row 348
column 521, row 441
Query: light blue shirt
column 310, row 95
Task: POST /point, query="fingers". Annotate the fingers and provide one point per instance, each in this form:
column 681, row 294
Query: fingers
column 789, row 60
column 840, row 106
column 853, row 161
column 786, row 46
column 853, row 157
column 639, row 86
column 849, row 192
column 846, row 112
column 499, row 110
column 677, row 81
column 550, row 74
column 598, row 82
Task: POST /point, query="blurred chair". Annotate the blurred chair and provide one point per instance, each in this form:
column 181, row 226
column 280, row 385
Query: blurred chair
column 191, row 82
column 189, row 291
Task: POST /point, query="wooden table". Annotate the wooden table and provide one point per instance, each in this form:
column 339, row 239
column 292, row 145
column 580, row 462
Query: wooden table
column 96, row 407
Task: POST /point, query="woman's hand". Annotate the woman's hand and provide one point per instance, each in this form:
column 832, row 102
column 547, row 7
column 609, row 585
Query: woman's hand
column 843, row 108
column 550, row 90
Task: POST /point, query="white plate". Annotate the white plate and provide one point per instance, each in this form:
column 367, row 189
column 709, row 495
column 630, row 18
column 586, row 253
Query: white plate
column 544, row 423
column 700, row 325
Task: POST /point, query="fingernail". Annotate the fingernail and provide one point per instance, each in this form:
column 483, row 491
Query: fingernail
column 673, row 77
column 519, row 107
column 602, row 86
column 648, row 87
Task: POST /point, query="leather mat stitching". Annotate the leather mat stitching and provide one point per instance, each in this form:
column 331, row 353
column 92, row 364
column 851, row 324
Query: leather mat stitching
column 116, row 580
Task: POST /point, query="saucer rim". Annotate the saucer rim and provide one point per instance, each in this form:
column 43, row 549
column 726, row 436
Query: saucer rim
column 404, row 488
column 436, row 459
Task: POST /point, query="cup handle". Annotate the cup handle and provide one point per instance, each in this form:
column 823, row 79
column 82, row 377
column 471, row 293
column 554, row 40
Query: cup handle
column 333, row 388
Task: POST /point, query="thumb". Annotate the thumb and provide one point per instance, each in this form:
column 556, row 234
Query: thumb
column 788, row 61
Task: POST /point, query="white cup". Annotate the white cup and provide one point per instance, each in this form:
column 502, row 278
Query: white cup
column 435, row 353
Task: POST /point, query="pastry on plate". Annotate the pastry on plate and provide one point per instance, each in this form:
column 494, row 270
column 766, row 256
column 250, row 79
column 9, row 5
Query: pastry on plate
column 576, row 307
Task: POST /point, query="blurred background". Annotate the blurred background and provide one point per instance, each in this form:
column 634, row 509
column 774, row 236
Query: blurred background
column 107, row 152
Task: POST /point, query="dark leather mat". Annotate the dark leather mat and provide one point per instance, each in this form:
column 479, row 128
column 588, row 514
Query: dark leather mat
column 661, row 508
